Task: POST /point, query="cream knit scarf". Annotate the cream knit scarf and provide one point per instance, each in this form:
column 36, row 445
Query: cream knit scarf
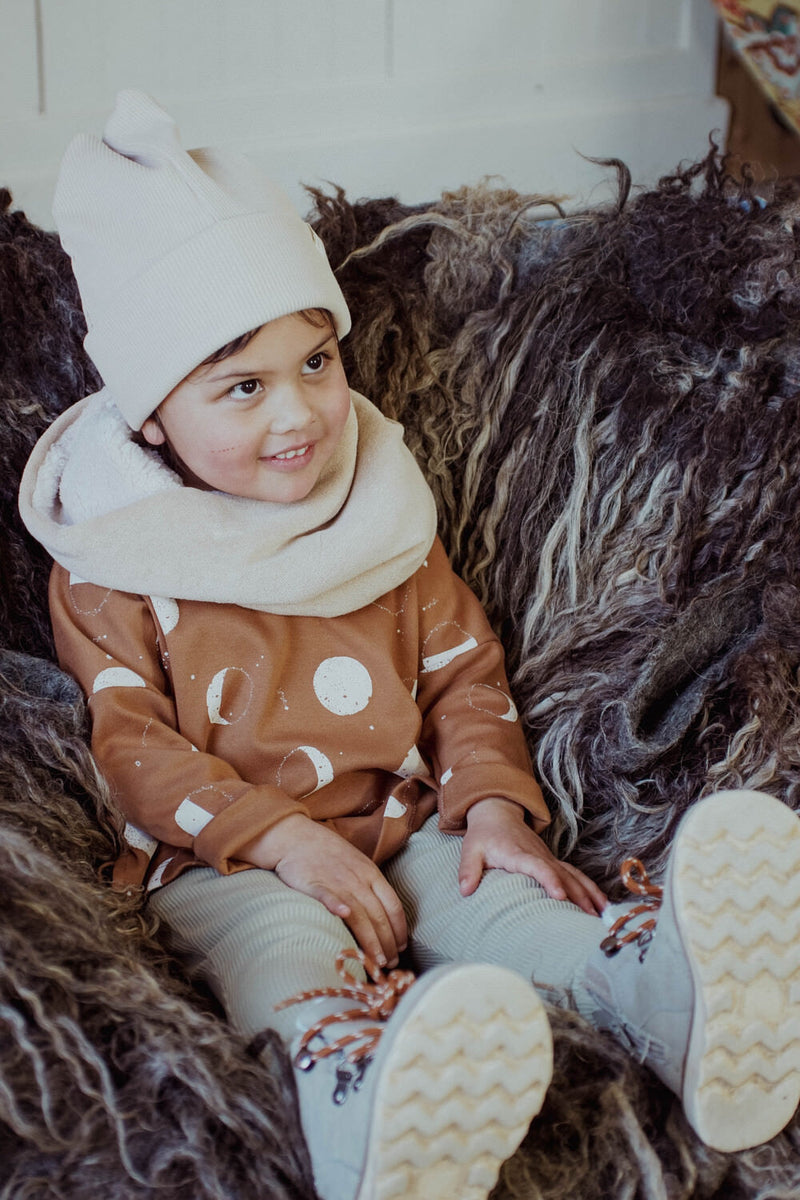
column 114, row 514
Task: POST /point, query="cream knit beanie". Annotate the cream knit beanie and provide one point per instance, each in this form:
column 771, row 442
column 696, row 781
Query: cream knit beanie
column 176, row 253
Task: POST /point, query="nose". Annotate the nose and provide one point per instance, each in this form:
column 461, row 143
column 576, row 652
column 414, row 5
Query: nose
column 290, row 410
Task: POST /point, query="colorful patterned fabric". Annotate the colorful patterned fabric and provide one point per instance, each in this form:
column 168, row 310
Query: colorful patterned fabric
column 767, row 36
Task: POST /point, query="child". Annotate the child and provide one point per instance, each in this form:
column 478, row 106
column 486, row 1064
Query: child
column 306, row 721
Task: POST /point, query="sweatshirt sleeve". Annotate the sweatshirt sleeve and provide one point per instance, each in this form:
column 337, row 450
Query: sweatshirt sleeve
column 166, row 789
column 471, row 733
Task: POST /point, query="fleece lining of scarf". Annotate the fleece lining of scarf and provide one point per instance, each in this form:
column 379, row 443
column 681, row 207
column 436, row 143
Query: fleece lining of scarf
column 112, row 513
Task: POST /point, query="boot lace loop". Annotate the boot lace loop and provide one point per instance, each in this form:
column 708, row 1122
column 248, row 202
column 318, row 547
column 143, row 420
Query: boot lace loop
column 376, row 999
column 638, row 883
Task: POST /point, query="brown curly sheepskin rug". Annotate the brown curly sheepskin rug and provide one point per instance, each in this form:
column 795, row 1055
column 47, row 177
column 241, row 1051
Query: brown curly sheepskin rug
column 607, row 408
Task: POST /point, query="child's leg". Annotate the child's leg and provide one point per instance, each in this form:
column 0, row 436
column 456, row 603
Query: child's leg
column 708, row 997
column 510, row 920
column 407, row 1090
column 254, row 941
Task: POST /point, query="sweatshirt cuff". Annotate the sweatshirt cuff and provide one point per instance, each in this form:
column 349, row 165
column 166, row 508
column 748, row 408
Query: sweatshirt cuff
column 464, row 786
column 219, row 843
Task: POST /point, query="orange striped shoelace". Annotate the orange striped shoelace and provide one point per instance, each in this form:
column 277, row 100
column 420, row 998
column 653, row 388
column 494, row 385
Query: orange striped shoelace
column 374, row 1000
column 638, row 883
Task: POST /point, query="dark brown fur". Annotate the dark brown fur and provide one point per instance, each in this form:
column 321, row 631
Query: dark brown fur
column 607, row 409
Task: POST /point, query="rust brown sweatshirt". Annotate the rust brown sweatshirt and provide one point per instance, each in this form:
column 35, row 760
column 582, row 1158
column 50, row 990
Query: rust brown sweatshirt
column 212, row 721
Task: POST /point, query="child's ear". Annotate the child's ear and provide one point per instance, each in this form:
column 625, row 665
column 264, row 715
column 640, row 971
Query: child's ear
column 152, row 432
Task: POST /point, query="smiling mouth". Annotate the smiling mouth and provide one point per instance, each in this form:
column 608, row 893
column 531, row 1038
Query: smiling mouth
column 292, row 459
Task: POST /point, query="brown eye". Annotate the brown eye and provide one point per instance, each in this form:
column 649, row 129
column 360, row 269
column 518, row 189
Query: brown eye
column 245, row 389
column 315, row 364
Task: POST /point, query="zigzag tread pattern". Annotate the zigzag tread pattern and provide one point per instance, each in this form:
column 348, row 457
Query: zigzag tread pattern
column 423, row 1089
column 512, row 1075
column 486, row 1038
column 750, row 1061
column 775, row 859
column 452, row 1118
column 766, row 916
column 740, row 901
column 751, row 1069
column 749, row 953
column 735, row 884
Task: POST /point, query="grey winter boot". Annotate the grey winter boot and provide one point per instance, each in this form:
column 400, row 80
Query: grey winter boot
column 707, row 992
column 419, row 1090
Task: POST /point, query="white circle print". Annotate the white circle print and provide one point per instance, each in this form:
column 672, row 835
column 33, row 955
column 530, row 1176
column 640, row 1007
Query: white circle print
column 343, row 686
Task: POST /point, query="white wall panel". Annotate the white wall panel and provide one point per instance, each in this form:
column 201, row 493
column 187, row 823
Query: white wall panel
column 383, row 96
column 449, row 38
column 574, row 30
column 197, row 49
column 666, row 24
column 19, row 67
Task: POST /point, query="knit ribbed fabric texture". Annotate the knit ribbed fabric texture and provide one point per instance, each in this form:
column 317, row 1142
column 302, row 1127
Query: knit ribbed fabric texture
column 256, row 941
column 509, row 921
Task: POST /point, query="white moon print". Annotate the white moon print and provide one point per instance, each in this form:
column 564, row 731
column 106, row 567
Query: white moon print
column 166, row 611
column 191, row 818
column 139, row 840
column 394, row 808
column 485, row 698
column 228, row 696
column 155, row 879
column 444, row 641
column 412, row 764
column 320, row 764
column 117, row 677
column 343, row 686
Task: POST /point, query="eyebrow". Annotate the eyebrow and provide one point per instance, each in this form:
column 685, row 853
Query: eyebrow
column 249, row 374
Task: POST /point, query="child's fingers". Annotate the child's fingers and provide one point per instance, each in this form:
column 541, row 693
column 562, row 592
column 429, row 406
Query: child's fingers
column 560, row 881
column 372, row 930
column 578, row 896
column 375, row 916
column 549, row 877
column 323, row 865
column 509, row 856
column 581, row 891
column 360, row 924
column 332, row 902
column 470, row 870
column 395, row 913
column 598, row 897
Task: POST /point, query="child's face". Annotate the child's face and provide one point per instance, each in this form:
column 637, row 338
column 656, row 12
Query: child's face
column 263, row 422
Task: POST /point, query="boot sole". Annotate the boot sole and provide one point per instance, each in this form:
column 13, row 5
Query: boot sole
column 459, row 1085
column 735, row 888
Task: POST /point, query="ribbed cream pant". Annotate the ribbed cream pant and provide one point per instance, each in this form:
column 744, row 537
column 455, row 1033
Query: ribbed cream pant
column 256, row 941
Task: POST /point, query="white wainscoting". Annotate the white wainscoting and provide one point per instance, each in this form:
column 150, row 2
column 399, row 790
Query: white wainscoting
column 385, row 97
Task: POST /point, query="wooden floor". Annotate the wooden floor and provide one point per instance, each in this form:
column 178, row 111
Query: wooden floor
column 756, row 135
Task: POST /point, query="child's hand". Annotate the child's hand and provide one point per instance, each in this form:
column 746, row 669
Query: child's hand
column 315, row 860
column 497, row 836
